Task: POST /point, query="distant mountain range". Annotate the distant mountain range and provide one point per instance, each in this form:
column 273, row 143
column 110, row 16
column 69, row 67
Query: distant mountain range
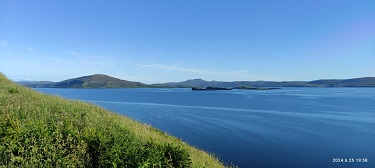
column 355, row 82
column 105, row 81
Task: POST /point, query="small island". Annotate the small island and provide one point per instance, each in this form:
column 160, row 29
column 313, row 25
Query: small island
column 210, row 88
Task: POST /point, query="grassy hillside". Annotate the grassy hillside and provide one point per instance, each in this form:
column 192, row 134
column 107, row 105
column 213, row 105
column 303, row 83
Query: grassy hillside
column 38, row 130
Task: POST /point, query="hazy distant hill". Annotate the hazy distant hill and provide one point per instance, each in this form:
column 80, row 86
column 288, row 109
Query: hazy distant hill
column 192, row 83
column 356, row 82
column 34, row 83
column 92, row 81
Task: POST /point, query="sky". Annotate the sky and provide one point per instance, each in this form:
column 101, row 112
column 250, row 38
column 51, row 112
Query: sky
column 156, row 41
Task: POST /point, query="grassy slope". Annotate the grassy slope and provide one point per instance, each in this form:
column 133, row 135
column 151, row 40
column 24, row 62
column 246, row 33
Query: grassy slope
column 49, row 131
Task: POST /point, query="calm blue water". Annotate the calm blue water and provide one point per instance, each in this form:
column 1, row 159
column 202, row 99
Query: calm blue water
column 291, row 127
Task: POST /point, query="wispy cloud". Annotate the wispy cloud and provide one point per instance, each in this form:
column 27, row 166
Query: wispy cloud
column 73, row 53
column 57, row 66
column 178, row 68
column 3, row 44
column 31, row 49
column 208, row 73
column 95, row 63
column 91, row 56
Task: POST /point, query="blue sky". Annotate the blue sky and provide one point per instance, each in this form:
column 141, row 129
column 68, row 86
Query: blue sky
column 155, row 41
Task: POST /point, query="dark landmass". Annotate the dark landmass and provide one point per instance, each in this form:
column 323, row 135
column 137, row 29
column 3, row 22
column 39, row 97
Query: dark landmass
column 210, row 88
column 105, row 81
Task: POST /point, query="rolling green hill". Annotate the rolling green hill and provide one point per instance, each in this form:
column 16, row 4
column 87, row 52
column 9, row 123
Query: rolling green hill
column 38, row 130
column 95, row 81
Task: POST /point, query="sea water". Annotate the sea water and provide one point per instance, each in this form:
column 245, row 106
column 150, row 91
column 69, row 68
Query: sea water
column 289, row 127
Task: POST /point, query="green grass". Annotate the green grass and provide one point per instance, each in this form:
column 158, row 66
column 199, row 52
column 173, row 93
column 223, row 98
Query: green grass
column 38, row 130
